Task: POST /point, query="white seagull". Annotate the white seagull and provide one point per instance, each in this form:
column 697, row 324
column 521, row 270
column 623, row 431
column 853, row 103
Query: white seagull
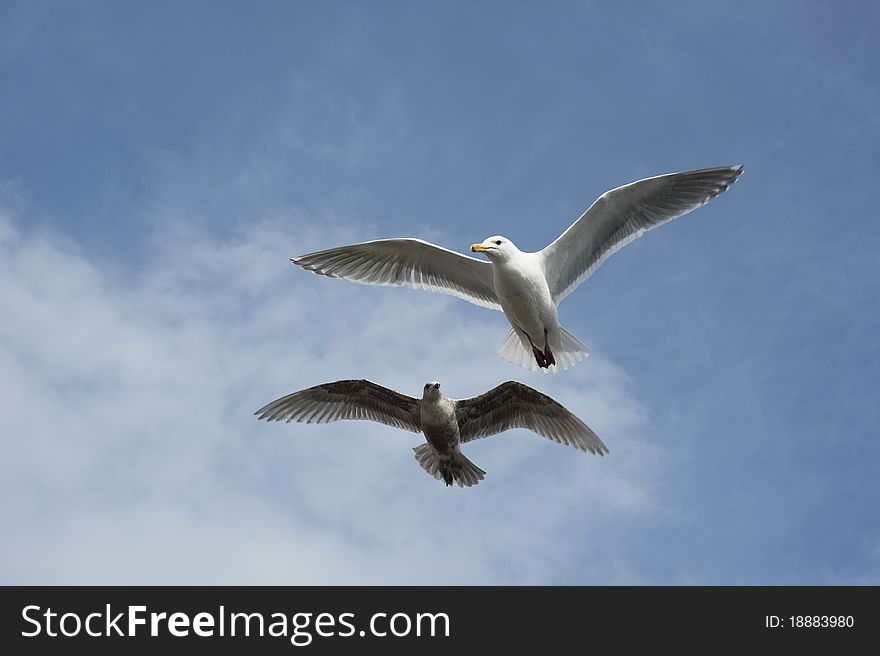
column 528, row 287
column 445, row 422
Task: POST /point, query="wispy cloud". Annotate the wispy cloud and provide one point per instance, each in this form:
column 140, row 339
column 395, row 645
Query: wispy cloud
column 132, row 456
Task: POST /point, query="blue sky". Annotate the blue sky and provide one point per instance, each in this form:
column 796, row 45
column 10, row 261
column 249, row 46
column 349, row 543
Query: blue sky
column 159, row 163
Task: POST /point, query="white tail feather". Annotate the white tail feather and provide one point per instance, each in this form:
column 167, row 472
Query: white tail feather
column 571, row 351
column 516, row 349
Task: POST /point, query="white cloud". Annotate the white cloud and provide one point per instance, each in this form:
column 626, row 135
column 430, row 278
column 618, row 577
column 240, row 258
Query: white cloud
column 131, row 454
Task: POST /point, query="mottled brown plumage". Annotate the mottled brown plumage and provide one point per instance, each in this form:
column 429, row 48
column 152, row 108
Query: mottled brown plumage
column 445, row 423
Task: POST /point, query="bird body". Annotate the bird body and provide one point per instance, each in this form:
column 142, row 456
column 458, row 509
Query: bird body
column 440, row 428
column 528, row 287
column 522, row 290
column 439, row 424
column 446, row 423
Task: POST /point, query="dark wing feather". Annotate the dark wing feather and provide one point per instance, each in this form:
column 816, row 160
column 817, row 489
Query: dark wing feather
column 514, row 405
column 622, row 215
column 346, row 399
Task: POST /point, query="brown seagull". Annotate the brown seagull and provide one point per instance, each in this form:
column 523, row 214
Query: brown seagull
column 446, row 423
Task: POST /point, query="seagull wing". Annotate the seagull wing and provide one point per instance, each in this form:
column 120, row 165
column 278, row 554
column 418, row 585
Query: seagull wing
column 411, row 262
column 514, row 405
column 621, row 215
column 346, row 399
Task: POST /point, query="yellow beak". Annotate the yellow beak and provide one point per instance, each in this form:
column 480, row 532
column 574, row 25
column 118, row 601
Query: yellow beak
column 478, row 248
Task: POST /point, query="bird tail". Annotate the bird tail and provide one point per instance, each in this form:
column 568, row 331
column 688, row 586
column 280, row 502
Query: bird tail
column 455, row 468
column 571, row 349
column 516, row 349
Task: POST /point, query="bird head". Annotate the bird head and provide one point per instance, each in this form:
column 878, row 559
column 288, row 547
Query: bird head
column 496, row 248
column 431, row 389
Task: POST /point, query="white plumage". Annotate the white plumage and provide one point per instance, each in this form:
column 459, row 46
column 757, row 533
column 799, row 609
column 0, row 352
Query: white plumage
column 445, row 422
column 528, row 287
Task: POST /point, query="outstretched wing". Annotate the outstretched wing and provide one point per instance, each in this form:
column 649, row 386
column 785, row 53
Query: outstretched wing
column 411, row 262
column 621, row 215
column 514, row 405
column 346, row 399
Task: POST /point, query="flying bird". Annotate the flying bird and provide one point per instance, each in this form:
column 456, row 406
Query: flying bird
column 446, row 423
column 528, row 287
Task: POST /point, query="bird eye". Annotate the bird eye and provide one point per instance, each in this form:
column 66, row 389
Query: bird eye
column 498, row 243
